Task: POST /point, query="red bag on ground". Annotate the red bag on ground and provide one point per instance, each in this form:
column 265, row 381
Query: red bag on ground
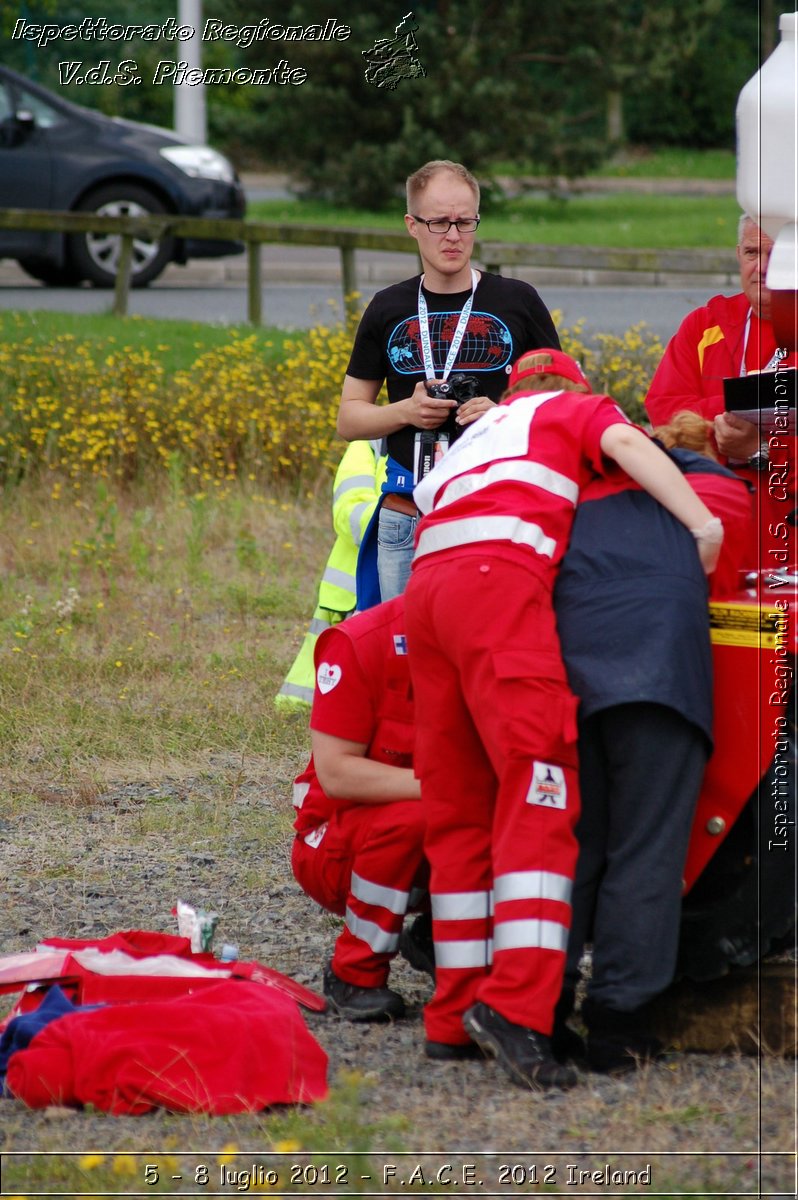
column 231, row 1047
column 106, row 971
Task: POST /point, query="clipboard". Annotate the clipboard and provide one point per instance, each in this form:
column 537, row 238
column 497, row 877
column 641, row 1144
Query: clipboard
column 765, row 398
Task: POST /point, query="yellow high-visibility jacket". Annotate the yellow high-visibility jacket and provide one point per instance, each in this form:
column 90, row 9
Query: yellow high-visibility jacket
column 356, row 492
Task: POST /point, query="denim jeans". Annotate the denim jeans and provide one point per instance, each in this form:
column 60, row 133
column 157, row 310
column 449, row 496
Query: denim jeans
column 396, row 534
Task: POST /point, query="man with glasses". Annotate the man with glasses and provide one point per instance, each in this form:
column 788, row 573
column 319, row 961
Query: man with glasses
column 450, row 320
column 732, row 337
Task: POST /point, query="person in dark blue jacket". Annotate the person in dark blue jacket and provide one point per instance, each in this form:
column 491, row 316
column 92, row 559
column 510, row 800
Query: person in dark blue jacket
column 631, row 605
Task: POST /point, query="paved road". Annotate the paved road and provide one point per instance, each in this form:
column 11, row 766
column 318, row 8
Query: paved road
column 302, row 288
column 299, row 305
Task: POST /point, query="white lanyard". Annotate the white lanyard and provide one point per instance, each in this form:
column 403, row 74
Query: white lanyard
column 423, row 323
column 778, row 354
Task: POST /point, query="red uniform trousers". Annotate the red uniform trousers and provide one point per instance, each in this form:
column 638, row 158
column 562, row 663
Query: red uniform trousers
column 496, row 755
column 366, row 867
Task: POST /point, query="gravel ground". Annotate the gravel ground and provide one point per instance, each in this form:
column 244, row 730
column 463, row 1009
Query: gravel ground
column 80, row 863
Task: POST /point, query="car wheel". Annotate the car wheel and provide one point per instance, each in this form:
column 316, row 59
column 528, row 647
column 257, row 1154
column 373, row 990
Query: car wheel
column 96, row 255
column 51, row 274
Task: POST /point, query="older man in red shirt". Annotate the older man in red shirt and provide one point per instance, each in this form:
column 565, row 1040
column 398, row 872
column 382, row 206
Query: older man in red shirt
column 730, row 337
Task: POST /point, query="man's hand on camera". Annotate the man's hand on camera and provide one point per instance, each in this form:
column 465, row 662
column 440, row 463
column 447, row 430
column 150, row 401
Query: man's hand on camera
column 471, row 410
column 425, row 411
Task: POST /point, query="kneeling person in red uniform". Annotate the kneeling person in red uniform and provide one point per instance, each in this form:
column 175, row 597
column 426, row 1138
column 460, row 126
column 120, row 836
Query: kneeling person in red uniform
column 358, row 850
column 495, row 719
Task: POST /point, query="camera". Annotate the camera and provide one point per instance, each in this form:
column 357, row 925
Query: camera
column 456, row 387
column 431, row 444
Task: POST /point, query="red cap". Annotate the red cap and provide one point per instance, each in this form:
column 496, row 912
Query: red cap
column 547, row 362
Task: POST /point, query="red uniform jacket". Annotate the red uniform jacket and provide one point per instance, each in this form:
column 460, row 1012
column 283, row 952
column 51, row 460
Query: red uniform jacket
column 362, row 695
column 706, row 349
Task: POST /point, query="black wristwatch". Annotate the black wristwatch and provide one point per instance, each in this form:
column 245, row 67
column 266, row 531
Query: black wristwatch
column 760, row 460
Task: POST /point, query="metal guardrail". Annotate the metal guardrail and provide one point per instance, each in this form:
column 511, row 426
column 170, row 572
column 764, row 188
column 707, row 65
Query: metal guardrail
column 495, row 255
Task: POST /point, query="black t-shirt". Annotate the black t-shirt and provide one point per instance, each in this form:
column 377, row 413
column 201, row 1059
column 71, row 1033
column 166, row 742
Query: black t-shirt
column 508, row 318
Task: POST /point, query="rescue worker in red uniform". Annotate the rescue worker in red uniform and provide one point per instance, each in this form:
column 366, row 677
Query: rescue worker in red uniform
column 358, row 850
column 733, row 336
column 495, row 719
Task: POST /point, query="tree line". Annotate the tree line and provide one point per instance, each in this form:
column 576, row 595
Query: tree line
column 554, row 88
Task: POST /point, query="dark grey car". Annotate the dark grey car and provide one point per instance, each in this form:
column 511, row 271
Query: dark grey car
column 58, row 155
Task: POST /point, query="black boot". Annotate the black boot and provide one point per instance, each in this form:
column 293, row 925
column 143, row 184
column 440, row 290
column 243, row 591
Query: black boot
column 361, row 1003
column 524, row 1053
column 618, row 1042
column 565, row 1042
column 416, row 944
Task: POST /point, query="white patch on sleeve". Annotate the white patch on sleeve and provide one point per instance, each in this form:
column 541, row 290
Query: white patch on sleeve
column 300, row 794
column 315, row 836
column 328, row 676
column 548, row 786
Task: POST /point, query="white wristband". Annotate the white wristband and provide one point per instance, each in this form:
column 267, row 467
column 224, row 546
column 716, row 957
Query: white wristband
column 712, row 532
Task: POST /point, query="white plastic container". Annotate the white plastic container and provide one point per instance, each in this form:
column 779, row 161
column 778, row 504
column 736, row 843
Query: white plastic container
column 767, row 132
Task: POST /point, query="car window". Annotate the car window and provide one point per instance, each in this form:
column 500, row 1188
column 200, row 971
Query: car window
column 5, row 103
column 43, row 114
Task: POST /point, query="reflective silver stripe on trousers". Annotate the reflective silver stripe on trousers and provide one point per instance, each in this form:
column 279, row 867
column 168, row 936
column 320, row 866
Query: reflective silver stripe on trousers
column 300, row 792
column 469, row 530
column 464, row 955
column 355, row 517
column 354, row 481
column 374, row 893
column 461, row 906
column 532, row 885
column 341, row 579
column 369, row 932
column 516, row 472
column 531, row 934
column 318, row 625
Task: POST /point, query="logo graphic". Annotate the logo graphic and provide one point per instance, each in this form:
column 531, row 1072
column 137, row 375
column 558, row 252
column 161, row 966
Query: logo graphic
column 327, row 677
column 392, row 59
column 399, row 643
column 547, row 786
column 486, row 344
column 315, row 836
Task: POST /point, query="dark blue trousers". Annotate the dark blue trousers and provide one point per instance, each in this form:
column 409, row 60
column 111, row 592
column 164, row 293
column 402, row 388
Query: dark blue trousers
column 640, row 771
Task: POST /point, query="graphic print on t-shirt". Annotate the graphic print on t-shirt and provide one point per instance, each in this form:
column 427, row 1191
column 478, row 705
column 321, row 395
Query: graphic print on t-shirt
column 486, row 345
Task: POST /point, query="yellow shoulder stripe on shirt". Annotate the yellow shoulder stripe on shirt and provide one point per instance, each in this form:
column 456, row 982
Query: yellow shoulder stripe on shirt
column 711, row 336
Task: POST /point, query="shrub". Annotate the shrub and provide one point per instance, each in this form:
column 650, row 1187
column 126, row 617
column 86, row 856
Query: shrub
column 81, row 411
column 86, row 409
column 620, row 366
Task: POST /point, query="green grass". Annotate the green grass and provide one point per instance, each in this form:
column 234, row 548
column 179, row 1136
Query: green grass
column 345, row 1123
column 155, row 640
column 642, row 162
column 179, row 342
column 670, row 163
column 623, row 219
